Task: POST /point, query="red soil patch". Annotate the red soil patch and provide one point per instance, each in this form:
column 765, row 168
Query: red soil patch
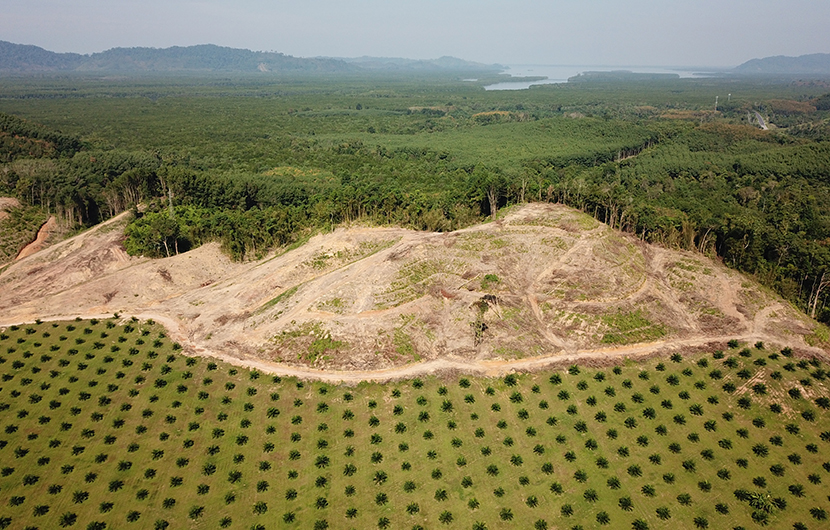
column 40, row 241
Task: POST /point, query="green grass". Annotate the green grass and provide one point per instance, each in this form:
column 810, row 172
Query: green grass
column 631, row 327
column 282, row 297
column 131, row 403
column 488, row 280
column 314, row 337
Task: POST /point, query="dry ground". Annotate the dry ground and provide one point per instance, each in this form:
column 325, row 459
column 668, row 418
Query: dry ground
column 544, row 284
column 44, row 234
column 7, row 203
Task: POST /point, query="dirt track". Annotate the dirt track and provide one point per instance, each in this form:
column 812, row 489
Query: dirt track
column 487, row 368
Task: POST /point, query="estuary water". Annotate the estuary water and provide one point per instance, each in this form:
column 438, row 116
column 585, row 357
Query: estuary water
column 561, row 73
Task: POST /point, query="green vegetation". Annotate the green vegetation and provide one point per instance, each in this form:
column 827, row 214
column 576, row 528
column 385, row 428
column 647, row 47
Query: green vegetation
column 316, row 340
column 489, row 280
column 106, row 424
column 18, row 229
column 403, row 343
column 260, row 163
column 282, row 297
column 628, row 328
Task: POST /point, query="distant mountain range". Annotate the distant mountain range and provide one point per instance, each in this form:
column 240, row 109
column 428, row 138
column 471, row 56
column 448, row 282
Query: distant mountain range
column 813, row 64
column 22, row 58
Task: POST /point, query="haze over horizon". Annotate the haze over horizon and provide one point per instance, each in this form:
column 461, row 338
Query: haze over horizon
column 638, row 32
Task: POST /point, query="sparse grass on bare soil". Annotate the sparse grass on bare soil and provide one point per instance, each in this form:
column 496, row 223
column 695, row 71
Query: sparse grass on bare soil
column 105, row 424
column 630, row 327
column 549, row 291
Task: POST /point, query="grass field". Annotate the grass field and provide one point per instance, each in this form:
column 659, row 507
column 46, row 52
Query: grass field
column 106, row 424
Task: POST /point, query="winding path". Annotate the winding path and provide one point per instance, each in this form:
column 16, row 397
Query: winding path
column 488, row 368
column 761, row 122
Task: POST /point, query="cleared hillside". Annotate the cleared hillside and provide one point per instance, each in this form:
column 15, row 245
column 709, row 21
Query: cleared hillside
column 545, row 280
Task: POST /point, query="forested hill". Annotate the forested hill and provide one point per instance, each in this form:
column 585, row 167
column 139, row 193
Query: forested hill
column 206, row 57
column 210, row 58
column 201, row 58
column 28, row 58
column 813, row 64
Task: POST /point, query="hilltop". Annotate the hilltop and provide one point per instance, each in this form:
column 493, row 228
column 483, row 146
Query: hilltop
column 812, row 64
column 544, row 281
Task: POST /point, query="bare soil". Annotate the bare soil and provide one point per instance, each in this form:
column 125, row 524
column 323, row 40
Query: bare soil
column 7, row 203
column 543, row 285
column 43, row 235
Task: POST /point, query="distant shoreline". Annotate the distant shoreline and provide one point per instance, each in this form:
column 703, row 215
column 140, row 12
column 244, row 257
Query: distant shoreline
column 553, row 74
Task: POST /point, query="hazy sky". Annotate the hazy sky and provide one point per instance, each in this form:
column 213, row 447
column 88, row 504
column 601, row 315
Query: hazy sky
column 576, row 32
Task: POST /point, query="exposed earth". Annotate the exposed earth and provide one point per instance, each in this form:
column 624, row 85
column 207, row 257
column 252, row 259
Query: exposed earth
column 42, row 240
column 7, row 203
column 544, row 284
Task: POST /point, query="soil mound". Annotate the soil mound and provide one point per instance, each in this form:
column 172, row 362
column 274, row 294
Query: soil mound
column 544, row 281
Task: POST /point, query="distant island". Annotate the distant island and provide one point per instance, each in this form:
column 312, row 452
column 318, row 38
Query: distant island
column 22, row 58
column 620, row 75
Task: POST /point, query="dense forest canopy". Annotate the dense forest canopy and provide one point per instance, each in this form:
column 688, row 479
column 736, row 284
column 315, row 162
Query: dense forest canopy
column 257, row 163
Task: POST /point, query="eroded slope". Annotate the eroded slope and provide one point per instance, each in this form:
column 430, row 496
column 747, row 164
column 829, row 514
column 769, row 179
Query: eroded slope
column 543, row 280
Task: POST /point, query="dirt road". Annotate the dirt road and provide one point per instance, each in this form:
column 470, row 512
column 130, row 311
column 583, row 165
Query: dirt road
column 487, row 368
